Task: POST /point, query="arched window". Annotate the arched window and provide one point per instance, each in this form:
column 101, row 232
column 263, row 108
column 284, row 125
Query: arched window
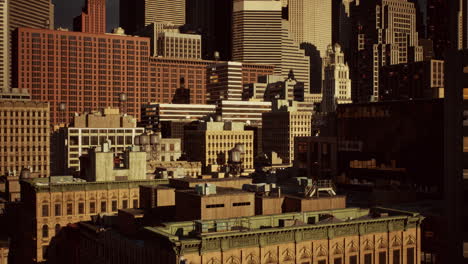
column 57, row 229
column 45, row 231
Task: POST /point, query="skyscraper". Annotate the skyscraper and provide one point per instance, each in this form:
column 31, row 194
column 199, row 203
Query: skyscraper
column 20, row 13
column 337, row 84
column 311, row 22
column 136, row 14
column 93, row 18
column 384, row 34
column 4, row 44
column 261, row 36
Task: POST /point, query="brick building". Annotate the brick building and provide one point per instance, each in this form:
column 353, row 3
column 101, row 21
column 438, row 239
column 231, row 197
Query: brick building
column 93, row 18
column 90, row 71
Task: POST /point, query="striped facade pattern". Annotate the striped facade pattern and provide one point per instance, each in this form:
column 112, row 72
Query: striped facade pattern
column 165, row 11
column 4, row 44
column 224, row 82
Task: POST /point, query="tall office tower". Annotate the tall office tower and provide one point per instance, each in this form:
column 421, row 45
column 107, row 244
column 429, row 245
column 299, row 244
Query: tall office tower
column 25, row 137
column 261, row 36
column 341, row 24
column 337, row 84
column 311, row 22
column 93, row 18
column 23, row 13
column 136, row 14
column 4, row 44
column 213, row 20
column 384, row 34
column 437, row 22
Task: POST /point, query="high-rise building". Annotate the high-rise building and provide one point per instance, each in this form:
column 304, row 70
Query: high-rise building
column 213, row 20
column 337, row 84
column 261, row 36
column 437, row 23
column 81, row 81
column 15, row 14
column 385, row 34
column 311, row 22
column 135, row 15
column 177, row 45
column 25, row 137
column 93, row 18
column 417, row 80
column 281, row 126
column 4, row 46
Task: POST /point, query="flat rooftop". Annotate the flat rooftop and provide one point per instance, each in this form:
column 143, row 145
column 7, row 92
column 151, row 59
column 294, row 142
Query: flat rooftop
column 318, row 224
column 220, row 191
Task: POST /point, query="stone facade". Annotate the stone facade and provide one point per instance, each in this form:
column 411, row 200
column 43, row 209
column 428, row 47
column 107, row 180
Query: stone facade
column 50, row 206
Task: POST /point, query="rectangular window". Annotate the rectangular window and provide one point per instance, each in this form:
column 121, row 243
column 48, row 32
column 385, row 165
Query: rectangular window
column 92, row 207
column 103, row 206
column 368, row 258
column 69, row 208
column 124, row 204
column 382, row 257
column 396, row 256
column 410, row 255
column 81, row 208
column 337, row 261
column 214, row 205
column 114, row 206
column 322, row 262
column 58, row 210
column 241, row 204
column 353, row 260
column 135, row 203
column 45, row 210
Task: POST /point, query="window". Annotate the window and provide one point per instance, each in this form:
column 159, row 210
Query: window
column 58, row 210
column 80, row 208
column 368, row 258
column 396, row 256
column 44, row 252
column 124, row 204
column 135, row 203
column 114, row 206
column 45, row 231
column 410, row 255
column 382, row 258
column 240, row 204
column 353, row 260
column 69, row 208
column 214, row 205
column 92, row 207
column 45, row 210
column 337, row 261
column 103, row 206
column 322, row 262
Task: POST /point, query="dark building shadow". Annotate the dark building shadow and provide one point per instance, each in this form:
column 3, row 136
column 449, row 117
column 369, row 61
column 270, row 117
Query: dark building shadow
column 315, row 67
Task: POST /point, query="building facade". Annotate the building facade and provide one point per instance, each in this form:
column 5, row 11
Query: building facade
column 248, row 112
column 177, row 45
column 224, row 82
column 390, row 38
column 49, row 206
column 211, row 143
column 93, row 18
column 280, row 128
column 25, row 140
column 417, row 80
column 311, row 22
column 135, row 15
column 4, row 46
column 85, row 71
column 272, row 44
column 337, row 83
column 90, row 130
